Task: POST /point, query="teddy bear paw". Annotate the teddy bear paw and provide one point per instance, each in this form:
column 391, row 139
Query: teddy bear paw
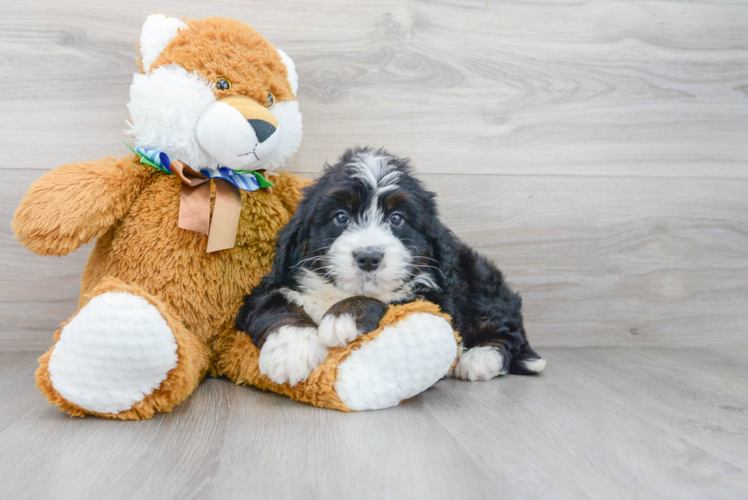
column 116, row 351
column 404, row 360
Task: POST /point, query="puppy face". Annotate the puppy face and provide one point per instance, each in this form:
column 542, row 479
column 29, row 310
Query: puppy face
column 367, row 227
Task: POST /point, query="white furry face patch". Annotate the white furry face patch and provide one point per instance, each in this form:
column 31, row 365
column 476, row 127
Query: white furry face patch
column 165, row 106
column 367, row 259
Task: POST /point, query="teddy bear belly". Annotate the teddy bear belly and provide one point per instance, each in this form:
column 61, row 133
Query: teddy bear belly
column 204, row 289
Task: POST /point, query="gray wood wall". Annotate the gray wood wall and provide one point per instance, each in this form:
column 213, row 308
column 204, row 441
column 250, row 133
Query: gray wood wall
column 598, row 151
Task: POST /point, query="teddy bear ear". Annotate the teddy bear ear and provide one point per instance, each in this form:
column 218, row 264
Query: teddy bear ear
column 158, row 31
column 293, row 78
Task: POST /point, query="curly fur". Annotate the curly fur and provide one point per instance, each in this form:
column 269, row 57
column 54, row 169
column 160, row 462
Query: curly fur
column 317, row 262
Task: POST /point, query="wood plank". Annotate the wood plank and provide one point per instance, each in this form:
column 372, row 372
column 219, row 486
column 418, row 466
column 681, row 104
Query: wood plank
column 300, row 451
column 17, row 386
column 599, row 423
column 47, row 454
column 604, row 423
column 597, row 88
column 599, row 261
column 729, row 362
column 226, row 441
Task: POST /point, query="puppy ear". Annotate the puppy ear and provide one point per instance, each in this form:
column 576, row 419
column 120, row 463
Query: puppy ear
column 291, row 245
column 289, row 248
column 444, row 247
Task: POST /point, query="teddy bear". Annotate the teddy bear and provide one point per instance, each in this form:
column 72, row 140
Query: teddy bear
column 185, row 227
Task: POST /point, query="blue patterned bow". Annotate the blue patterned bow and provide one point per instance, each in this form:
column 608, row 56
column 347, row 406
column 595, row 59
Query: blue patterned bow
column 247, row 180
column 194, row 203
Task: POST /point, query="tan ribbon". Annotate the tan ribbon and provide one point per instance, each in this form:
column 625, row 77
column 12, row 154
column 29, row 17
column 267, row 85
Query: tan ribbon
column 194, row 207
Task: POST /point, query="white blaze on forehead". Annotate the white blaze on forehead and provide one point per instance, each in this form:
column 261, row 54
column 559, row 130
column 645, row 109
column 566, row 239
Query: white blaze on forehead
column 375, row 170
column 378, row 173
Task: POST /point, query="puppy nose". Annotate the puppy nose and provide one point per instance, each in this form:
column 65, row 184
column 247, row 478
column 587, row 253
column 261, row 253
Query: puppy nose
column 368, row 261
column 262, row 129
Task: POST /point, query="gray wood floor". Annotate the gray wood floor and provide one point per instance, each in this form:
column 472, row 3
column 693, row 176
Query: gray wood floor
column 599, row 423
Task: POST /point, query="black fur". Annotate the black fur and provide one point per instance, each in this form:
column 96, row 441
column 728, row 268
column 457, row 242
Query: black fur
column 366, row 312
column 485, row 311
column 270, row 312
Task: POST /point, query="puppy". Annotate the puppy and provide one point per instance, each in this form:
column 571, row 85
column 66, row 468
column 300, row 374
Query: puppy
column 364, row 236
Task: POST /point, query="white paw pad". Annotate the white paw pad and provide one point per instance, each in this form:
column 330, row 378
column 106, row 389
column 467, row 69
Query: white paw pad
column 116, row 351
column 480, row 363
column 291, row 354
column 404, row 360
column 338, row 331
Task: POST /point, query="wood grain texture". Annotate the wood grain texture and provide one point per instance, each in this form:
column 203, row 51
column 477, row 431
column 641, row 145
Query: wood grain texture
column 601, row 87
column 596, row 150
column 599, row 423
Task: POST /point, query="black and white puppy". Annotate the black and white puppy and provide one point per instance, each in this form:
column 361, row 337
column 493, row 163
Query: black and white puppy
column 366, row 235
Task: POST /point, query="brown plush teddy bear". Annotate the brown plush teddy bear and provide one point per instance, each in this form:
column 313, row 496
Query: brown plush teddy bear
column 213, row 115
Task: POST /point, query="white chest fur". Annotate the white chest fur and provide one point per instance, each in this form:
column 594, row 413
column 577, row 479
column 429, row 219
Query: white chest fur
column 316, row 295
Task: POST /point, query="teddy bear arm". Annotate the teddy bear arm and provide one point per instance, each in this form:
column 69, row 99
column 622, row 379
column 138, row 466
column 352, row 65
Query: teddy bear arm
column 75, row 203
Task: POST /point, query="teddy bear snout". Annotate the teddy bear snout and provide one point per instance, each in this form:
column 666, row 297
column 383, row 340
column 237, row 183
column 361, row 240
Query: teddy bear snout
column 238, row 133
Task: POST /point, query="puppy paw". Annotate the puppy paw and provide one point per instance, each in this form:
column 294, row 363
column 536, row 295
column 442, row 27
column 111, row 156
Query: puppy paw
column 338, row 331
column 481, row 363
column 348, row 319
column 291, row 354
column 531, row 366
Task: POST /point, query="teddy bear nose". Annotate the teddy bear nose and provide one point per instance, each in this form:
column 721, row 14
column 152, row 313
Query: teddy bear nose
column 262, row 129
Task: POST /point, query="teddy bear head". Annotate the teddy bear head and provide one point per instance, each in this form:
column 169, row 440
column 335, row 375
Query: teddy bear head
column 214, row 93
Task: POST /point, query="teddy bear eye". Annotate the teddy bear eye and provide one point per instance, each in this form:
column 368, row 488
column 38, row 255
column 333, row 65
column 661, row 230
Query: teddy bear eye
column 271, row 100
column 223, row 84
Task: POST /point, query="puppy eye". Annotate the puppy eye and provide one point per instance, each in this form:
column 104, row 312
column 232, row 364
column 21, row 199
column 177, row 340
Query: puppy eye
column 271, row 101
column 341, row 218
column 223, row 84
column 396, row 220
